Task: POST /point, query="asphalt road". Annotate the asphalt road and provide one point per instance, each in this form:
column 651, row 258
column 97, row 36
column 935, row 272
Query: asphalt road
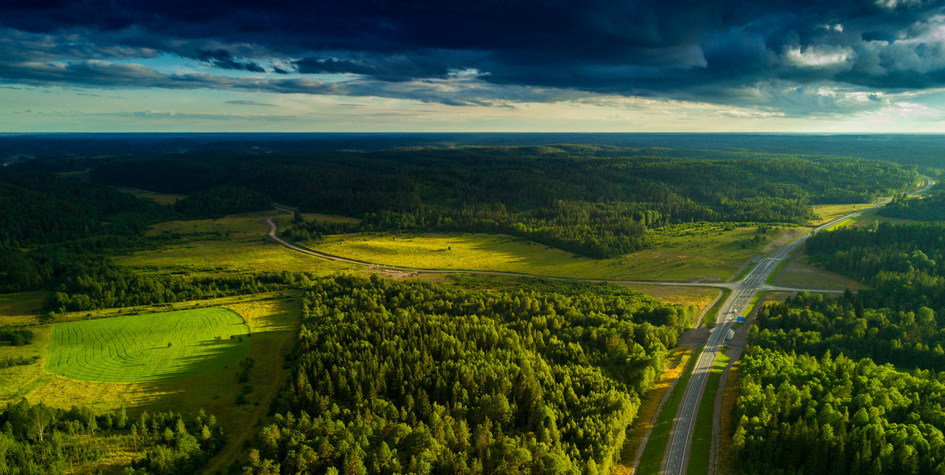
column 676, row 458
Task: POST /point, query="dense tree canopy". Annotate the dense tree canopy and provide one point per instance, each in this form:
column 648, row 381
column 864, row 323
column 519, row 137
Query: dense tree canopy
column 42, row 440
column 421, row 378
column 921, row 208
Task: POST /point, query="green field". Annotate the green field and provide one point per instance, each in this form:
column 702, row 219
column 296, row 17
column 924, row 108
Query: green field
column 701, row 251
column 151, row 347
column 210, row 247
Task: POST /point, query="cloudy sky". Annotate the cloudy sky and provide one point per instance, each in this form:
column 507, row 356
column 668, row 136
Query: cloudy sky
column 477, row 65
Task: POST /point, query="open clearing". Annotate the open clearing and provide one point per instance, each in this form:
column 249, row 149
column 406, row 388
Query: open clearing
column 700, row 251
column 827, row 213
column 799, row 273
column 215, row 246
column 160, row 198
column 21, row 308
column 151, row 347
column 700, row 297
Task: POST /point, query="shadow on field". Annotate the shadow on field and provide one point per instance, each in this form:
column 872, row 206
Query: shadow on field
column 199, row 381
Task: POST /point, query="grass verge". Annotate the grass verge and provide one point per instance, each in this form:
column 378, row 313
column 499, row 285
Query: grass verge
column 649, row 406
column 702, row 434
column 780, row 267
column 652, row 458
column 726, row 424
column 741, row 275
column 710, row 317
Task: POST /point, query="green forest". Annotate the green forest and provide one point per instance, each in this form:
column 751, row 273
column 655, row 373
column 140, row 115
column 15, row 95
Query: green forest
column 593, row 201
column 929, row 207
column 418, row 378
column 36, row 439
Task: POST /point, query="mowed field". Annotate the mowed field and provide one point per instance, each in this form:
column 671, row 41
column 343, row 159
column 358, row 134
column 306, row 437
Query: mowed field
column 150, row 347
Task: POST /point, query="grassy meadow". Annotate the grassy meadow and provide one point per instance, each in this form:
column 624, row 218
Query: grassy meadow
column 827, row 213
column 149, row 347
column 799, row 273
column 159, row 198
column 698, row 251
column 21, row 308
column 231, row 244
column 272, row 318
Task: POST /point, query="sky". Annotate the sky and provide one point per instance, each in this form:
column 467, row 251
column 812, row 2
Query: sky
column 818, row 66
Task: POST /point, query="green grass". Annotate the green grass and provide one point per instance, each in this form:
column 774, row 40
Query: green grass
column 710, row 317
column 21, row 308
column 684, row 252
column 827, row 213
column 652, row 458
column 800, row 273
column 152, row 347
column 231, row 244
column 702, row 433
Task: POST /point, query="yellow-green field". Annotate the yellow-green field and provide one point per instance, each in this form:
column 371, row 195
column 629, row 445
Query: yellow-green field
column 231, row 244
column 698, row 297
column 827, row 213
column 272, row 318
column 799, row 273
column 160, row 198
column 149, row 347
column 704, row 254
column 20, row 308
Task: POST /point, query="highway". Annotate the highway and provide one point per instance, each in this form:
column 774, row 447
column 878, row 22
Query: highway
column 677, row 451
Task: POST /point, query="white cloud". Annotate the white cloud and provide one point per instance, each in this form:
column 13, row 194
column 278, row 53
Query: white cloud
column 820, row 56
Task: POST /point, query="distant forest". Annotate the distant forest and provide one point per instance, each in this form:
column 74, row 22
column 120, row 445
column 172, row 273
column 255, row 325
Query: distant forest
column 591, row 200
column 925, row 151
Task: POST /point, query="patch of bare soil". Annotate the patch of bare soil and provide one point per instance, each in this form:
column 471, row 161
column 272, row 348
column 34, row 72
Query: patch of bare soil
column 694, row 336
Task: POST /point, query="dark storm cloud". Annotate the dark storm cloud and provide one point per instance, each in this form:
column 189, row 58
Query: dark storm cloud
column 222, row 58
column 721, row 51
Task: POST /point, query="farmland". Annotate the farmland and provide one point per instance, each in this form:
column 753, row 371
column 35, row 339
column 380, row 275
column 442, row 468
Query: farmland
column 150, row 347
